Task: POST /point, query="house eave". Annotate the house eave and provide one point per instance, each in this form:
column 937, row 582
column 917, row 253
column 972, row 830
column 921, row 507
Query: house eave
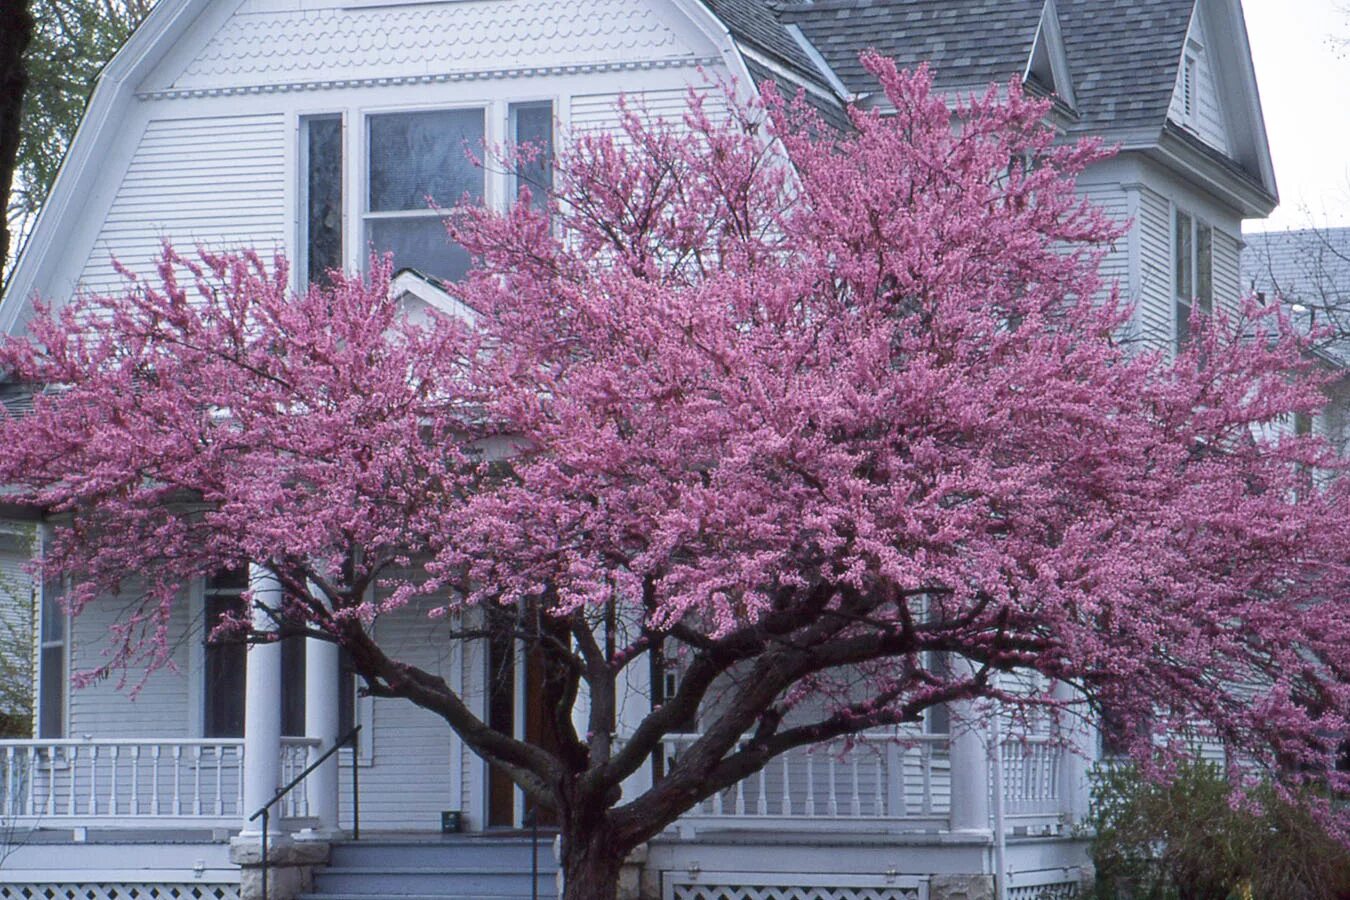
column 1221, row 176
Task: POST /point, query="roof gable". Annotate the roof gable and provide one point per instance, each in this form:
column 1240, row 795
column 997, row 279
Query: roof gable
column 1196, row 100
column 1048, row 66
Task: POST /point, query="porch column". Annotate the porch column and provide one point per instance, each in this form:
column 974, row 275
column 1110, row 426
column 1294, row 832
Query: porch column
column 262, row 703
column 1080, row 753
column 969, row 761
column 322, row 664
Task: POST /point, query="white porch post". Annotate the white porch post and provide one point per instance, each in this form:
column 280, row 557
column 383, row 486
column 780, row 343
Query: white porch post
column 1075, row 787
column 969, row 761
column 322, row 663
column 262, row 703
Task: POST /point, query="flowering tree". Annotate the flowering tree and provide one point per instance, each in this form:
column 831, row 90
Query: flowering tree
column 803, row 427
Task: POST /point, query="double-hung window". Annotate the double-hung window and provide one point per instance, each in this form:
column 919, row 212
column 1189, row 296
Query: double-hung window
column 420, row 165
column 1193, row 271
column 53, row 663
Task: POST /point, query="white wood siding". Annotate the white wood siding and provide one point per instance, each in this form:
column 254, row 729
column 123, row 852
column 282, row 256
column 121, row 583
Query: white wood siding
column 1227, row 270
column 162, row 705
column 218, row 181
column 408, row 780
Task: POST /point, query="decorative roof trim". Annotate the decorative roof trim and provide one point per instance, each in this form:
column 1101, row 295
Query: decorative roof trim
column 435, row 78
column 831, row 77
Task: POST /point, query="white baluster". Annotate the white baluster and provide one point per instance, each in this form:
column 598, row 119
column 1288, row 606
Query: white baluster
column 73, row 761
column 93, row 780
column 197, row 779
column 51, row 781
column 878, row 804
column 857, row 797
column 740, row 797
column 136, row 780
column 112, row 777
column 154, row 780
column 810, row 785
column 13, row 787
column 926, row 777
column 220, row 781
column 787, row 786
column 29, row 805
column 762, row 801
column 717, row 802
column 833, row 802
column 177, row 779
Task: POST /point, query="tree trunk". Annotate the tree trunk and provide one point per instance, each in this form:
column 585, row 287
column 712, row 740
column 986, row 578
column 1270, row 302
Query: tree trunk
column 590, row 864
column 16, row 30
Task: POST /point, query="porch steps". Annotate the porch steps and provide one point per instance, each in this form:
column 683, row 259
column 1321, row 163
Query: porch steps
column 450, row 868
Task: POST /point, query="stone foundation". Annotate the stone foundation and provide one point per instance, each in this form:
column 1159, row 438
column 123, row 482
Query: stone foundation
column 290, row 866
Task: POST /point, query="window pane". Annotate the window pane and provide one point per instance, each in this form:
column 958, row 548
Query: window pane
column 532, row 126
column 1184, row 251
column 1183, row 323
column 420, row 243
column 1204, row 268
column 224, row 672
column 323, row 195
column 51, row 719
column 293, row 687
column 416, row 156
column 53, row 615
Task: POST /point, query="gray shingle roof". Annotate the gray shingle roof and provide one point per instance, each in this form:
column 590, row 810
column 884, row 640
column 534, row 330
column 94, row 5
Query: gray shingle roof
column 1310, row 271
column 754, row 22
column 1122, row 54
column 967, row 42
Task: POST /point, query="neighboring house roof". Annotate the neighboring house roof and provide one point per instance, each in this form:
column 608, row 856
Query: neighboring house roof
column 1310, row 271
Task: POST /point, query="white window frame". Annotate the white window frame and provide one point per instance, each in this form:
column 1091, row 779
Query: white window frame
column 362, row 160
column 1197, row 224
column 42, row 644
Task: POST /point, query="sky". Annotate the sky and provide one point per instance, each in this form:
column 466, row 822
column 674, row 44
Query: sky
column 1304, row 79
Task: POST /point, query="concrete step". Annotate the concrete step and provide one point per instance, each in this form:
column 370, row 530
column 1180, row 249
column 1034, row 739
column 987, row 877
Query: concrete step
column 402, row 881
column 504, row 853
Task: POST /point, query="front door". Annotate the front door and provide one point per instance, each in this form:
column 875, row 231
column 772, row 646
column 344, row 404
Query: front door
column 516, row 706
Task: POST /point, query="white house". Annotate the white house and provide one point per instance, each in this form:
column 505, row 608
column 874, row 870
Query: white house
column 317, row 126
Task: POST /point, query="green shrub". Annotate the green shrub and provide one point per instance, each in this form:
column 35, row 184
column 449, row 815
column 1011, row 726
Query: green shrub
column 1185, row 841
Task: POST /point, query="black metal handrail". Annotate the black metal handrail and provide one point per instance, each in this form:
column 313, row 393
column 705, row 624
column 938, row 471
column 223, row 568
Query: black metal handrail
column 266, row 811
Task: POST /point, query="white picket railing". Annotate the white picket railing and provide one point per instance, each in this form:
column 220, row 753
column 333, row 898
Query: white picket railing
column 1031, row 770
column 876, row 777
column 133, row 781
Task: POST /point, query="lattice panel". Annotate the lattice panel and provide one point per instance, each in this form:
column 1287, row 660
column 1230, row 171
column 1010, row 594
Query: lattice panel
column 119, row 891
column 1065, row 890
column 784, row 892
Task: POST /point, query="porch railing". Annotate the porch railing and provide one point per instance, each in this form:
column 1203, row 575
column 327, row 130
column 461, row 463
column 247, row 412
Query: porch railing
column 874, row 777
column 879, row 778
column 110, row 781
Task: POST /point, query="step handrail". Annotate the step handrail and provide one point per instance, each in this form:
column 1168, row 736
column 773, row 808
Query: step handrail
column 265, row 812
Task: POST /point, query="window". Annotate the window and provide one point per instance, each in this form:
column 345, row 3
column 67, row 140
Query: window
column 939, row 716
column 532, row 126
column 226, row 665
column 1193, row 271
column 321, row 161
column 53, row 675
column 419, row 164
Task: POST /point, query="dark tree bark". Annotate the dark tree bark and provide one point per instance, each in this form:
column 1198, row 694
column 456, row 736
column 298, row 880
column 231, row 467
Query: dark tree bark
column 16, row 32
